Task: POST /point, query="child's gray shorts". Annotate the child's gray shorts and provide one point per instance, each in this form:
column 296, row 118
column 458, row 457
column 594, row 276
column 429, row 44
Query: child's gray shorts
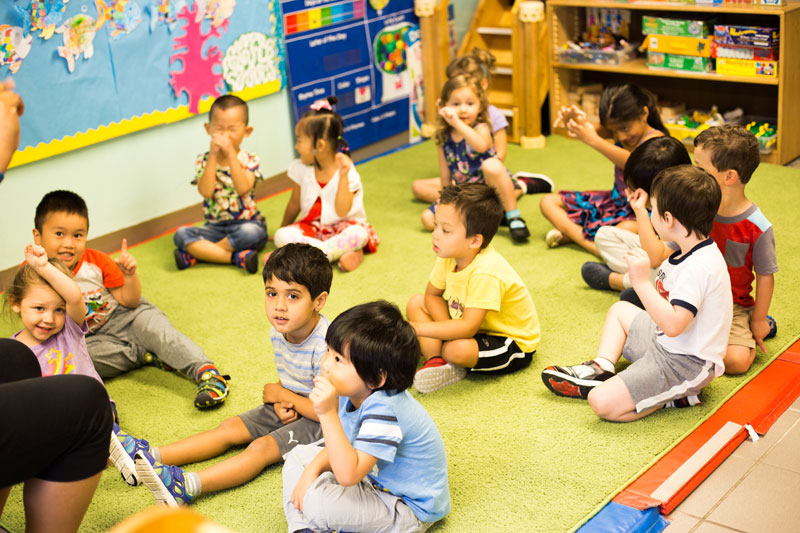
column 263, row 421
column 657, row 376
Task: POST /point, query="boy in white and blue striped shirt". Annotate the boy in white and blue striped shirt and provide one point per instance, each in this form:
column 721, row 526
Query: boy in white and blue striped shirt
column 384, row 465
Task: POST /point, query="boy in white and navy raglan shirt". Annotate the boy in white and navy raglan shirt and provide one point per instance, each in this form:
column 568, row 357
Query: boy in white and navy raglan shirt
column 384, row 466
column 677, row 344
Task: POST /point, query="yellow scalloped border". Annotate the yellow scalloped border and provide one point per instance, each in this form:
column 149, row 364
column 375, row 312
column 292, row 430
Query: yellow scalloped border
column 117, row 129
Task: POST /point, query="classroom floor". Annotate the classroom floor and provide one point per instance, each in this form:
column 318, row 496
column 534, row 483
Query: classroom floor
column 754, row 490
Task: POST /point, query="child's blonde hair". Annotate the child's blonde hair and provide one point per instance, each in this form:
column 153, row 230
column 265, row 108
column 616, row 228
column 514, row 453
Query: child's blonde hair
column 458, row 82
column 477, row 64
column 27, row 276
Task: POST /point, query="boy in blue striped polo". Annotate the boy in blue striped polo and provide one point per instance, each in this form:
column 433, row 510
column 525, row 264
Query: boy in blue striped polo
column 384, row 466
column 297, row 279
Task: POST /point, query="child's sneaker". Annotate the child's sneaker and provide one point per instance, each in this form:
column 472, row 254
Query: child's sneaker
column 686, row 401
column 437, row 373
column 184, row 260
column 575, row 381
column 246, row 259
column 121, row 451
column 596, row 275
column 165, row 482
column 535, row 183
column 773, row 327
column 212, row 388
column 554, row 238
column 519, row 231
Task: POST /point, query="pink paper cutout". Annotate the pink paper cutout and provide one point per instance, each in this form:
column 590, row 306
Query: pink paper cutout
column 196, row 76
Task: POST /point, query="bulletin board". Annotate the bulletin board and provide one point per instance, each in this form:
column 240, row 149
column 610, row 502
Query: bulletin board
column 90, row 70
column 365, row 53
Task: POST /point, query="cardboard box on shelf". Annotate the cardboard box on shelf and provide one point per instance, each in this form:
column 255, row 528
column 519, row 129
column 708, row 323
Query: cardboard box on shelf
column 747, row 67
column 697, row 28
column 746, row 35
column 679, row 62
column 671, row 44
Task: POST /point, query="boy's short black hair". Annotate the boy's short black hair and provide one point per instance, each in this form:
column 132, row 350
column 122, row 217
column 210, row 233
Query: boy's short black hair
column 691, row 195
column 731, row 147
column 227, row 101
column 650, row 158
column 302, row 264
column 480, row 208
column 57, row 202
column 379, row 342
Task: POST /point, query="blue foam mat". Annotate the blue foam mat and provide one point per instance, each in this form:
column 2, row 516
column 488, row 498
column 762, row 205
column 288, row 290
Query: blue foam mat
column 615, row 517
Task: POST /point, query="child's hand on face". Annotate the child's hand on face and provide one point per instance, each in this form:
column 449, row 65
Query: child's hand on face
column 221, row 144
column 638, row 265
column 323, row 396
column 285, row 412
column 35, row 256
column 449, row 115
column 126, row 262
column 637, row 199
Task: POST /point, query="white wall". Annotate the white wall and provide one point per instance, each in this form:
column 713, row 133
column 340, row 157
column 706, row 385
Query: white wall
column 144, row 175
column 136, row 177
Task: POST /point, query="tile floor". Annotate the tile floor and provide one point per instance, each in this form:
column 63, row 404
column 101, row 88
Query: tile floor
column 756, row 489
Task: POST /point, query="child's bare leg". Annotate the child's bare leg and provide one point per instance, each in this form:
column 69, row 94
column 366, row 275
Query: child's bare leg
column 211, row 252
column 427, row 219
column 612, row 401
column 615, row 279
column 497, row 176
column 417, row 312
column 242, row 467
column 211, row 443
column 57, row 506
column 461, row 352
column 738, row 359
column 555, row 211
column 615, row 330
column 427, row 189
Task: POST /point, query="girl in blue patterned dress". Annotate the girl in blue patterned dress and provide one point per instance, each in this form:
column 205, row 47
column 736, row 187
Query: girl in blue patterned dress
column 466, row 149
column 629, row 113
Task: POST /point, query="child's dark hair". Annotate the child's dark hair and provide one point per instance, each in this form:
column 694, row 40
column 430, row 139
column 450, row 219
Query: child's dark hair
column 319, row 122
column 480, row 208
column 457, row 82
column 227, row 101
column 477, row 64
column 731, row 148
column 378, row 342
column 627, row 102
column 59, row 201
column 27, row 276
column 650, row 158
column 302, row 264
column 691, row 195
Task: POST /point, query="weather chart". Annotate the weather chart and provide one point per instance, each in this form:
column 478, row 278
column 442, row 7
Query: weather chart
column 365, row 53
column 90, row 70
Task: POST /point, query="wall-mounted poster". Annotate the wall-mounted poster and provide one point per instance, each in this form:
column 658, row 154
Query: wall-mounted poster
column 89, row 70
column 365, row 53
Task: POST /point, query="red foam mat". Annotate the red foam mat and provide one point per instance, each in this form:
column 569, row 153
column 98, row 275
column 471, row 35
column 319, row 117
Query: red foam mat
column 759, row 403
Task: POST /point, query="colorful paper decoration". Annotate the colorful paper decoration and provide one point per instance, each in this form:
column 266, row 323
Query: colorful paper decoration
column 165, row 11
column 78, row 35
column 197, row 76
column 217, row 10
column 251, row 60
column 14, row 46
column 124, row 16
column 43, row 15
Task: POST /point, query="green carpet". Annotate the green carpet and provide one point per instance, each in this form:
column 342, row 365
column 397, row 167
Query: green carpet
column 519, row 457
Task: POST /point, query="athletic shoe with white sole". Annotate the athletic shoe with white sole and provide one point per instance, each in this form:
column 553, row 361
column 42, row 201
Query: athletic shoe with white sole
column 437, row 373
column 121, row 451
column 575, row 381
column 166, row 482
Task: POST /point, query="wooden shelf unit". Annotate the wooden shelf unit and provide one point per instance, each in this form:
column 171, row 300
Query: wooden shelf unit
column 769, row 97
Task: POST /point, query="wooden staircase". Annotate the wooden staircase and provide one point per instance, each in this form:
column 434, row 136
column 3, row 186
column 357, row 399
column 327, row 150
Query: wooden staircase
column 520, row 77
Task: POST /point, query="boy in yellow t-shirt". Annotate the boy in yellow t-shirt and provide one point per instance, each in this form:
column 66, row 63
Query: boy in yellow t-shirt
column 476, row 313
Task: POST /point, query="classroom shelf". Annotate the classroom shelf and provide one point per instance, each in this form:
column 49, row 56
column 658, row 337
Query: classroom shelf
column 776, row 97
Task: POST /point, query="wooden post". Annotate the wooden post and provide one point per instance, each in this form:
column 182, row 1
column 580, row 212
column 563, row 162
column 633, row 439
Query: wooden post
column 530, row 86
column 435, row 39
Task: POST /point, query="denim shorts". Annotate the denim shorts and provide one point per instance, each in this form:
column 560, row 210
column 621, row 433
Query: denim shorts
column 242, row 234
